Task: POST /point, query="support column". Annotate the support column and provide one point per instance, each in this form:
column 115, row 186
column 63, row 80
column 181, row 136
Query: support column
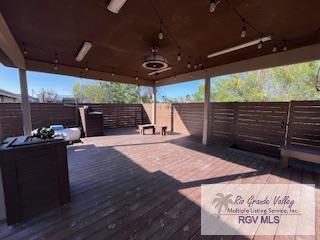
column 206, row 111
column 154, row 105
column 25, row 105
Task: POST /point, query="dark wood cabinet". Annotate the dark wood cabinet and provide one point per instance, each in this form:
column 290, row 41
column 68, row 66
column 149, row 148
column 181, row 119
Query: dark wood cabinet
column 35, row 176
column 92, row 122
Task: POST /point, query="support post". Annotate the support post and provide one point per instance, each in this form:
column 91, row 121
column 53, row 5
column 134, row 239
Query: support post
column 25, row 105
column 206, row 111
column 154, row 105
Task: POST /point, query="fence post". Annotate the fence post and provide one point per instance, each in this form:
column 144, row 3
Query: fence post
column 235, row 122
column 287, row 124
column 1, row 134
column 171, row 117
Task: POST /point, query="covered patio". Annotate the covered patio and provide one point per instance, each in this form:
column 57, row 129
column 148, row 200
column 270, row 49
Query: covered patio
column 127, row 186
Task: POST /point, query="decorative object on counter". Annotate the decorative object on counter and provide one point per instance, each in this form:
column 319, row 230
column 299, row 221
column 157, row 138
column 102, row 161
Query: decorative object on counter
column 43, row 133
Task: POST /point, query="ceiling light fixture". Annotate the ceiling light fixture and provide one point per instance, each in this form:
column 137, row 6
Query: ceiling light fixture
column 56, row 58
column 244, row 31
column 160, row 71
column 179, row 56
column 115, row 5
column 259, row 45
column 285, row 48
column 83, row 51
column 160, row 35
column 137, row 78
column 274, row 49
column 189, row 65
column 213, row 5
column 236, row 48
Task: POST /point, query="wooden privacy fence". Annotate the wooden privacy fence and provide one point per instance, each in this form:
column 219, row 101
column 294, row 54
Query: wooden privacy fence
column 253, row 126
column 257, row 127
column 260, row 127
column 45, row 114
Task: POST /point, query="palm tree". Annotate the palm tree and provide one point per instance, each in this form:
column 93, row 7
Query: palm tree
column 222, row 201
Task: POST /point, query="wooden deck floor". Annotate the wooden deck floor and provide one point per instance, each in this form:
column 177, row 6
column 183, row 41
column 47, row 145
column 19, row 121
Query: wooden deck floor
column 126, row 186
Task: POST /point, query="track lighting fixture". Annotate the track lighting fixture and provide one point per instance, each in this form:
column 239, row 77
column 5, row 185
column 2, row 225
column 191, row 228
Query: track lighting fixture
column 195, row 67
column 189, row 65
column 86, row 69
column 213, row 5
column 137, row 78
column 242, row 46
column 55, row 67
column 112, row 74
column 260, row 45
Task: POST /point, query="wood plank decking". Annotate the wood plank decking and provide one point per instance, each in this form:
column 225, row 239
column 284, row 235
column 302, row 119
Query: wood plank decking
column 148, row 187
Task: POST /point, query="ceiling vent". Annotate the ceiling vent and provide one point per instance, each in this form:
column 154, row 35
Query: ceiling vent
column 155, row 62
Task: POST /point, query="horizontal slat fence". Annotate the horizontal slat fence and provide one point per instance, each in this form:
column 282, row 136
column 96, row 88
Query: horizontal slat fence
column 46, row 114
column 221, row 122
column 258, row 126
column 252, row 126
column 10, row 120
column 120, row 115
column 188, row 118
column 304, row 124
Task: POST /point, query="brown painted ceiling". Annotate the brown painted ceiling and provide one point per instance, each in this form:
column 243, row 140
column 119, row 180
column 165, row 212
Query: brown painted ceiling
column 122, row 40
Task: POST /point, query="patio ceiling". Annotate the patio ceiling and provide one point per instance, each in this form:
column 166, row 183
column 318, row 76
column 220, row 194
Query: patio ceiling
column 57, row 29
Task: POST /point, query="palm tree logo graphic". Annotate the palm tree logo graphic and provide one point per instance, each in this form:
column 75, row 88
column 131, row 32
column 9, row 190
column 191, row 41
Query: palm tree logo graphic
column 222, row 201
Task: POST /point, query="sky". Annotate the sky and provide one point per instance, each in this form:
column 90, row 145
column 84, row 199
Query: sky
column 62, row 85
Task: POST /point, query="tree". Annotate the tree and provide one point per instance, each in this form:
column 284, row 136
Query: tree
column 293, row 82
column 110, row 92
column 47, row 95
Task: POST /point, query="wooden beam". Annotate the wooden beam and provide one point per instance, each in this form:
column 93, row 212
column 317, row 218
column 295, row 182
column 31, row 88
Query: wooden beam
column 25, row 105
column 298, row 55
column 9, row 45
column 34, row 65
column 154, row 105
column 206, row 111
